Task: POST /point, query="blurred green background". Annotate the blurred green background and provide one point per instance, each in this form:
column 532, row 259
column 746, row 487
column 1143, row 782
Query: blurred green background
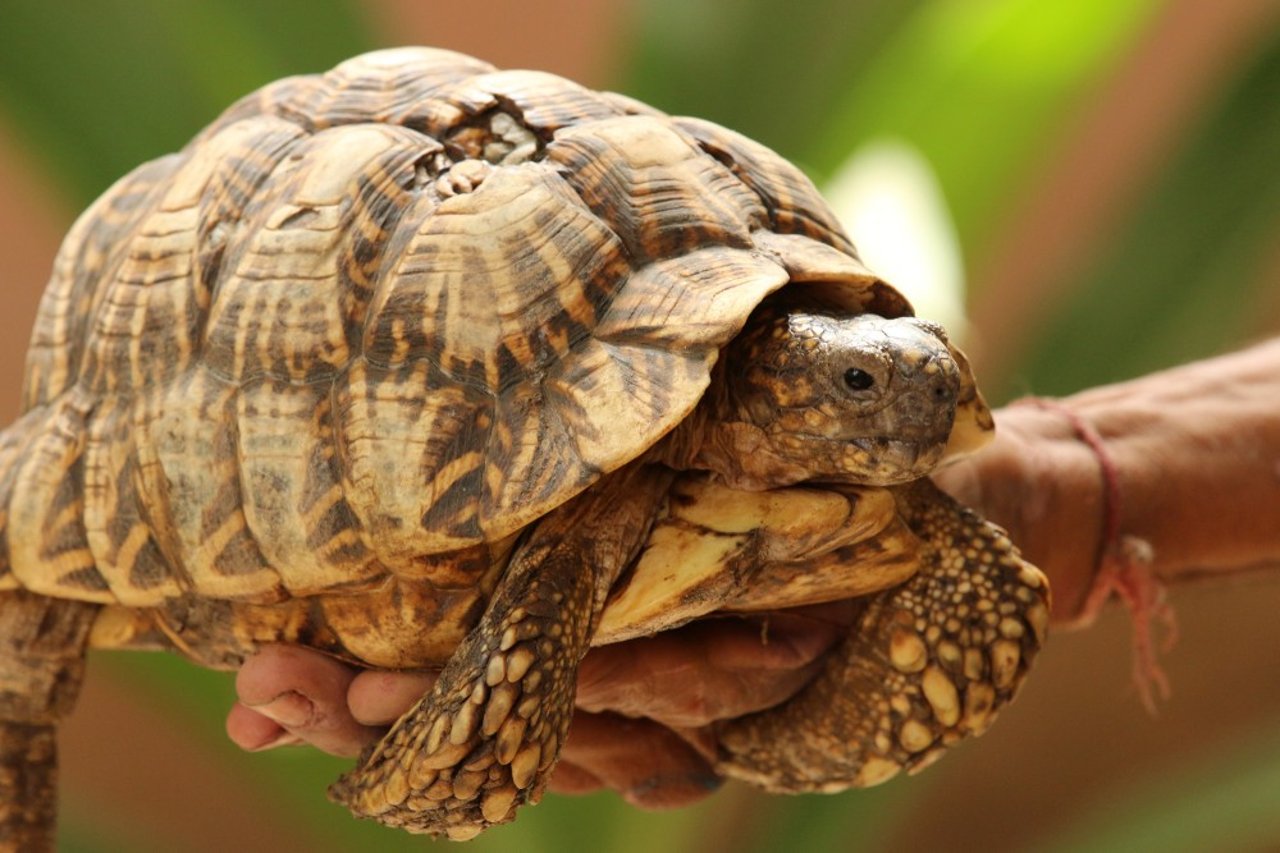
column 1111, row 175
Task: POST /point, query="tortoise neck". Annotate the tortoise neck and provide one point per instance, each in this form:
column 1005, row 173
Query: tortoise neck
column 681, row 448
column 719, row 437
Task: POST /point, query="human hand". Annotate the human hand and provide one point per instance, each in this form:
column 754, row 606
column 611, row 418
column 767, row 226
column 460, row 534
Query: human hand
column 643, row 705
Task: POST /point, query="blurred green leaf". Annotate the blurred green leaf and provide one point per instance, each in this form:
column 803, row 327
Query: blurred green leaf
column 852, row 820
column 1178, row 280
column 981, row 88
column 101, row 834
column 1225, row 802
column 766, row 68
column 63, row 67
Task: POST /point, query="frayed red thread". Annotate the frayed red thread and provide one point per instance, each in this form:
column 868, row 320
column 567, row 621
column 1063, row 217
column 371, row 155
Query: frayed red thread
column 1126, row 572
column 1123, row 568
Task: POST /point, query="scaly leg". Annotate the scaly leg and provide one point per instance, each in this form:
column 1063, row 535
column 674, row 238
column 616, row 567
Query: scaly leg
column 930, row 662
column 41, row 667
column 483, row 741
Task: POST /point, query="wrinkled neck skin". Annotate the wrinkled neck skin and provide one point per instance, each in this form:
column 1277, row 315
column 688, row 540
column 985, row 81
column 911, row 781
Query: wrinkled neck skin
column 715, row 437
column 719, row 437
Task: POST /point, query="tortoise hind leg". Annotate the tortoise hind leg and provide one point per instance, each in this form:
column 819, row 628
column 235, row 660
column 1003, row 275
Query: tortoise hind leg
column 41, row 668
column 483, row 741
column 930, row 662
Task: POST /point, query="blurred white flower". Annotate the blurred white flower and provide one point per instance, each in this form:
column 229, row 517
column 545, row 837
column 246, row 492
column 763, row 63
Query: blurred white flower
column 888, row 199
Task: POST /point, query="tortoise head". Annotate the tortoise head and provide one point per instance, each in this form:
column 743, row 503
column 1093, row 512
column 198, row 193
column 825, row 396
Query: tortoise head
column 810, row 395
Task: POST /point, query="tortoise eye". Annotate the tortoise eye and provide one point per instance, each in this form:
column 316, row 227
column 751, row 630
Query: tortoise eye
column 858, row 380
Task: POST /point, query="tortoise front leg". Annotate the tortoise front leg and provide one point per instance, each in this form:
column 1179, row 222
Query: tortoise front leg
column 930, row 662
column 483, row 741
column 41, row 668
column 28, row 786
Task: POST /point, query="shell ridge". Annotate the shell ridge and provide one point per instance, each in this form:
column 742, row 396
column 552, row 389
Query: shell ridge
column 312, row 225
column 194, row 436
column 291, row 494
column 50, row 553
column 121, row 537
column 791, row 200
column 84, row 291
column 230, row 221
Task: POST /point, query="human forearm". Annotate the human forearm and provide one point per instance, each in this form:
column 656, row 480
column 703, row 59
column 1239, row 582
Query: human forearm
column 1196, row 451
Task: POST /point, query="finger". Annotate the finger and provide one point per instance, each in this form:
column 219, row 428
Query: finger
column 379, row 698
column 305, row 694
column 648, row 764
column 569, row 778
column 253, row 732
column 711, row 670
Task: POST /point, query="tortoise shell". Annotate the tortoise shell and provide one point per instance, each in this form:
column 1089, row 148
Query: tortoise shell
column 313, row 378
column 396, row 310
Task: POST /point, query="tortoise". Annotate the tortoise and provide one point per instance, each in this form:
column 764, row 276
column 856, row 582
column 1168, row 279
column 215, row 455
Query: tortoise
column 422, row 363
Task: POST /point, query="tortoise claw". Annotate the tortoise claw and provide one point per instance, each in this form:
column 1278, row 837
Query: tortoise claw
column 481, row 743
column 931, row 662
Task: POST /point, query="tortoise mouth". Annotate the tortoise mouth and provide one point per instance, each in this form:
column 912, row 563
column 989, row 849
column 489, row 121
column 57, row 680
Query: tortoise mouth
column 898, row 458
column 898, row 445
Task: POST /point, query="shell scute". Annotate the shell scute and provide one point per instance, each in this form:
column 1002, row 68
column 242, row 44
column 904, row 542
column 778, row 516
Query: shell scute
column 147, row 325
column 662, row 195
column 541, row 102
column 292, row 297
column 620, row 399
column 15, row 447
column 46, row 499
column 532, row 459
column 413, row 442
column 291, row 485
column 699, row 299
column 235, row 175
column 793, row 202
column 118, row 527
column 89, row 256
column 397, row 86
column 497, row 283
column 195, row 445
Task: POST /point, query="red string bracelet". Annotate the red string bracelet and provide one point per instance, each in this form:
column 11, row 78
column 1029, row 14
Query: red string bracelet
column 1123, row 566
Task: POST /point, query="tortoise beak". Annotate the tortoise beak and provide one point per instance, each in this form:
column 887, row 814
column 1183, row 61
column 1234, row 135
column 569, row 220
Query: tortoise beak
column 974, row 425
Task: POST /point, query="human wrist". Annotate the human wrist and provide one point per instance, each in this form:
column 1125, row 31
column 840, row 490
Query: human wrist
column 1056, row 512
column 1197, row 451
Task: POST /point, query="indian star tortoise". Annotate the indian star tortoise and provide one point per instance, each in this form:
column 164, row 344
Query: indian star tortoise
column 422, row 363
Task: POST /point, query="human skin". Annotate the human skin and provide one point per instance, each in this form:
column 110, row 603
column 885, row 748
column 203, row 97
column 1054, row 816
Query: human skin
column 1196, row 452
column 1196, row 456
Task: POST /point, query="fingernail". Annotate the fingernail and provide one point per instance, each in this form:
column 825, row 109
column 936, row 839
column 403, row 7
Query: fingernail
column 705, row 781
column 282, row 739
column 290, row 709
